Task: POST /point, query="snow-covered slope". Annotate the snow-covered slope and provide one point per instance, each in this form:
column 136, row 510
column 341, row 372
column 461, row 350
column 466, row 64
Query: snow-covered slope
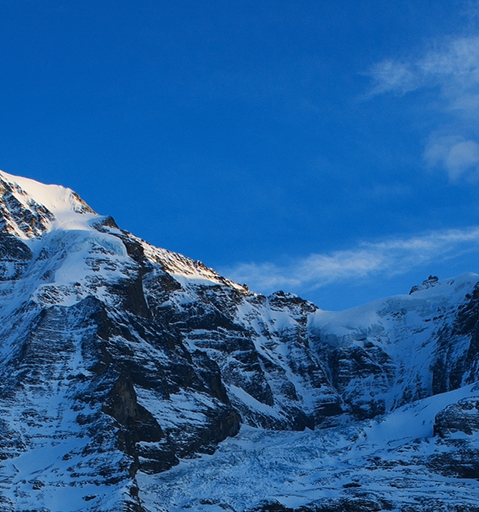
column 121, row 363
column 390, row 463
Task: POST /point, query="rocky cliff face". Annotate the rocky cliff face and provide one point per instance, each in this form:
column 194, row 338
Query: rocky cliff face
column 118, row 359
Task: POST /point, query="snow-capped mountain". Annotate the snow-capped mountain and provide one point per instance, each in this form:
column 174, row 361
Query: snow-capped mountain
column 134, row 378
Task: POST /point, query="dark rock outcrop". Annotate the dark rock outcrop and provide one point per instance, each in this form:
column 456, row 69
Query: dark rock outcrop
column 460, row 417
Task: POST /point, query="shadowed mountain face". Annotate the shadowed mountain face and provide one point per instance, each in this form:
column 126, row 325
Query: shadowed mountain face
column 118, row 359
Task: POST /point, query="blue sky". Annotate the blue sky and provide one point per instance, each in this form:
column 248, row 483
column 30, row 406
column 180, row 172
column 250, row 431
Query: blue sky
column 330, row 149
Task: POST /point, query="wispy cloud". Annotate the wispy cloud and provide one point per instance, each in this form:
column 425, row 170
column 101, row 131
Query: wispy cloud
column 451, row 68
column 387, row 258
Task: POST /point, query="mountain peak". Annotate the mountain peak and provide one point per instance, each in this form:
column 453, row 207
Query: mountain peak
column 29, row 208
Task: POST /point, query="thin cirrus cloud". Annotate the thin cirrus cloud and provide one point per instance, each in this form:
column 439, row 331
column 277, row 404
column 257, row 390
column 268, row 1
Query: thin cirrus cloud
column 450, row 68
column 387, row 258
column 453, row 66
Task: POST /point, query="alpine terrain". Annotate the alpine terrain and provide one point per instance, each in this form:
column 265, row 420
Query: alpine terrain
column 136, row 379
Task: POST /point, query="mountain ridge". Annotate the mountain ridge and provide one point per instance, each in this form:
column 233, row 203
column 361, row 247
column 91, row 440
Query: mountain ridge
column 119, row 361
